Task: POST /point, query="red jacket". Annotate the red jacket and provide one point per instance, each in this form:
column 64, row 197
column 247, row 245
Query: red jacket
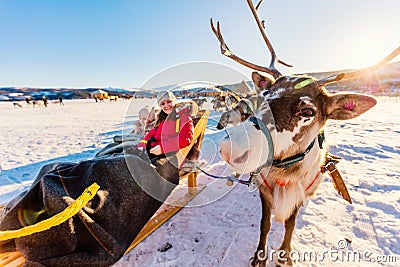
column 173, row 133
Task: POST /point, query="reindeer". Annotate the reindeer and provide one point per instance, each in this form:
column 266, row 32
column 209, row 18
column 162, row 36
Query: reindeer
column 285, row 154
column 219, row 103
column 231, row 101
column 199, row 101
column 17, row 105
column 240, row 112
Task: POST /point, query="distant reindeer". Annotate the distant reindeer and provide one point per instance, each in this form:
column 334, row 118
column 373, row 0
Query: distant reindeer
column 17, row 105
column 28, row 101
column 219, row 103
column 199, row 101
column 37, row 103
column 287, row 126
column 240, row 112
column 231, row 101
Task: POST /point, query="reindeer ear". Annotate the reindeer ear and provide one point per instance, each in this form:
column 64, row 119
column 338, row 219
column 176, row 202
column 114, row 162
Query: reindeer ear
column 348, row 106
column 261, row 82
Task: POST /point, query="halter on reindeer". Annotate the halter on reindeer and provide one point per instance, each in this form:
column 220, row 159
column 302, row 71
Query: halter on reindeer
column 293, row 113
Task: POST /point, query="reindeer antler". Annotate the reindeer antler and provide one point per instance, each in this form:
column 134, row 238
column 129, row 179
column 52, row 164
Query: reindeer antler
column 358, row 73
column 258, row 5
column 274, row 59
column 227, row 52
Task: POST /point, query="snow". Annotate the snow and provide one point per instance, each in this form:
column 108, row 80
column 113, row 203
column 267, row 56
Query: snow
column 15, row 94
column 220, row 226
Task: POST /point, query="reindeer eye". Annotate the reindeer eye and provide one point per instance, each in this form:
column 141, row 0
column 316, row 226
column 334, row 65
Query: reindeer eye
column 307, row 112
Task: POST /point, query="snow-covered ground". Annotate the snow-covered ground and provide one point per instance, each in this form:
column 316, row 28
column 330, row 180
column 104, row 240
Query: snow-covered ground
column 220, row 226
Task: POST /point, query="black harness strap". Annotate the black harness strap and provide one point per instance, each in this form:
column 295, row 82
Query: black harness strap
column 287, row 162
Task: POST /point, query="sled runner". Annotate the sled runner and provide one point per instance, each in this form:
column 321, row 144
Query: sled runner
column 180, row 197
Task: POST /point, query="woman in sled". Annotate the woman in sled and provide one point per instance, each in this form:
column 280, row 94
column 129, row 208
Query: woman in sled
column 172, row 131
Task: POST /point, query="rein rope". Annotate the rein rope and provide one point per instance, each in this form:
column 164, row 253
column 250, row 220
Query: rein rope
column 227, row 177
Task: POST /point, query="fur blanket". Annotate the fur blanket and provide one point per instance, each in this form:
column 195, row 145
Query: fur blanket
column 101, row 232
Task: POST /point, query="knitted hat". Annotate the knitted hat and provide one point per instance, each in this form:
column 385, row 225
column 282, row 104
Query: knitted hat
column 144, row 112
column 164, row 95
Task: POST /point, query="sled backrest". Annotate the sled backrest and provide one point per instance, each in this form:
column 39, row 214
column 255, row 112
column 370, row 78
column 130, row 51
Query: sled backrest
column 191, row 152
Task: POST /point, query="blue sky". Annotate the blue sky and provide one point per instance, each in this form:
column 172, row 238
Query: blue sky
column 123, row 43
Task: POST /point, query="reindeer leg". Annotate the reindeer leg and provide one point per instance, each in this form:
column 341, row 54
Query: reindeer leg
column 260, row 256
column 290, row 224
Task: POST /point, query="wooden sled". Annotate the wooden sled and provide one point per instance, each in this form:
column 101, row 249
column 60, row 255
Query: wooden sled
column 15, row 258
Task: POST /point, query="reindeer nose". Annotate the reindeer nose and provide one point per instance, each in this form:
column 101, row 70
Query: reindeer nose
column 224, row 152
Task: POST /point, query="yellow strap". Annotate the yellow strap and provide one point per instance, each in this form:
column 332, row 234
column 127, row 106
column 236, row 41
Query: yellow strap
column 57, row 219
column 177, row 125
column 143, row 141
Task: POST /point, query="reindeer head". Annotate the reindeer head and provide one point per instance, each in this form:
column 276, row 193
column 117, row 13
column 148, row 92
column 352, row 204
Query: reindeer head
column 230, row 117
column 242, row 110
column 294, row 110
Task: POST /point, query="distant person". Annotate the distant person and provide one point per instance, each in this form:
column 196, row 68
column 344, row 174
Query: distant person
column 151, row 119
column 61, row 100
column 45, row 101
column 139, row 126
column 173, row 129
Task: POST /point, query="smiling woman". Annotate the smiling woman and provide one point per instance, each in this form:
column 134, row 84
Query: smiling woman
column 173, row 129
